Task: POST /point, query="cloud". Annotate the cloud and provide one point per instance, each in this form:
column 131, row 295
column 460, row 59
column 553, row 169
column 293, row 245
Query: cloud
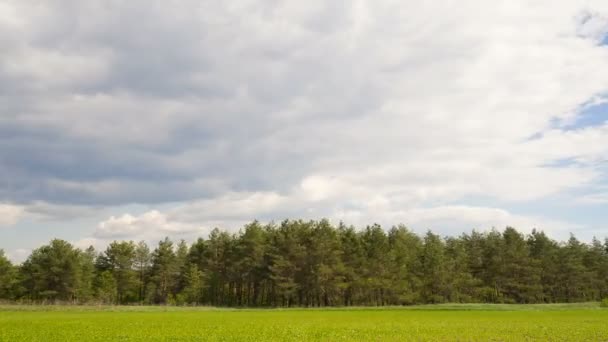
column 85, row 243
column 9, row 214
column 290, row 92
column 232, row 206
column 593, row 26
column 456, row 219
column 232, row 212
column 290, row 109
column 593, row 198
column 55, row 212
column 19, row 255
column 149, row 223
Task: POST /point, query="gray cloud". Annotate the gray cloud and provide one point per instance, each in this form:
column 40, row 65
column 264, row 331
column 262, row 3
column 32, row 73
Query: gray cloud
column 327, row 103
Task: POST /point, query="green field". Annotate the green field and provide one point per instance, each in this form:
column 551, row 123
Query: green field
column 574, row 322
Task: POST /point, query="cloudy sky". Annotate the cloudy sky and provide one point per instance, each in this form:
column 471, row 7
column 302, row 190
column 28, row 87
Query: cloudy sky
column 141, row 119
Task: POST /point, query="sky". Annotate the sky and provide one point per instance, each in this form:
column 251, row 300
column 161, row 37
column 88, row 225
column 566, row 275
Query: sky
column 142, row 119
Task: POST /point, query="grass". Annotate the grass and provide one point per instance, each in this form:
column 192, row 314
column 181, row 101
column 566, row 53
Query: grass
column 464, row 322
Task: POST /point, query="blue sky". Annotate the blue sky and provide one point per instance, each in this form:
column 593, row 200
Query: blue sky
column 594, row 116
column 209, row 114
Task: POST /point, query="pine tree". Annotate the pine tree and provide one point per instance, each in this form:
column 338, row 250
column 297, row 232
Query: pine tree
column 519, row 275
column 8, row 277
column 164, row 268
column 434, row 272
column 252, row 270
column 286, row 254
column 141, row 263
column 312, row 263
column 181, row 266
column 545, row 253
column 106, row 287
column 120, row 259
column 405, row 249
column 86, row 290
column 463, row 287
column 572, row 275
column 52, row 272
column 193, row 285
column 353, row 259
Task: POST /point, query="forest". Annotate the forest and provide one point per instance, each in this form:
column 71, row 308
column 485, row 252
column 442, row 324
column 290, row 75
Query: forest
column 315, row 264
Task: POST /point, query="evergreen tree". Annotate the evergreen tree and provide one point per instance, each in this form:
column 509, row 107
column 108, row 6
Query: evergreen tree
column 141, row 263
column 463, row 287
column 86, row 291
column 181, row 266
column 105, row 286
column 405, row 250
column 492, row 267
column 572, row 276
column 313, row 263
column 119, row 259
column 545, row 253
column 192, row 292
column 251, row 264
column 53, row 272
column 164, row 268
column 595, row 261
column 434, row 271
column 8, row 277
column 520, row 276
column 353, row 259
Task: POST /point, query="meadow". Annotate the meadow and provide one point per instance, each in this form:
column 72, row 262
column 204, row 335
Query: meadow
column 559, row 322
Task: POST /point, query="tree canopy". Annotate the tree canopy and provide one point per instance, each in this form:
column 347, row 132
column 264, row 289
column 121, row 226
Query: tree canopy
column 313, row 263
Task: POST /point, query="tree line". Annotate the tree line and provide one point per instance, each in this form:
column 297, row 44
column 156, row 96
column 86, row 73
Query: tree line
column 313, row 263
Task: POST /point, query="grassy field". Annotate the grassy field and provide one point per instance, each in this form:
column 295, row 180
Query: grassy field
column 571, row 322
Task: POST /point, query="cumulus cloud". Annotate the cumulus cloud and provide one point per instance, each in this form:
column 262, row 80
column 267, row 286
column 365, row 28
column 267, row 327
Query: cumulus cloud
column 593, row 25
column 18, row 255
column 232, row 212
column 455, row 219
column 255, row 109
column 9, row 214
column 149, row 223
column 84, row 243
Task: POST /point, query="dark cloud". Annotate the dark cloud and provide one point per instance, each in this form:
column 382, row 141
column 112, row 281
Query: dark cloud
column 110, row 103
column 180, row 99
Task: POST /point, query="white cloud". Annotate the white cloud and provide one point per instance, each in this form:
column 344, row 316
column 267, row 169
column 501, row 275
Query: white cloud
column 230, row 206
column 263, row 110
column 593, row 198
column 18, row 255
column 456, row 219
column 231, row 214
column 98, row 243
column 149, row 224
column 10, row 214
column 593, row 26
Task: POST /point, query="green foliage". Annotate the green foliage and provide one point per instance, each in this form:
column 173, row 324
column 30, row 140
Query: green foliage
column 604, row 303
column 164, row 271
column 106, row 287
column 86, row 291
column 8, row 277
column 118, row 260
column 192, row 292
column 141, row 265
column 53, row 272
column 314, row 264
